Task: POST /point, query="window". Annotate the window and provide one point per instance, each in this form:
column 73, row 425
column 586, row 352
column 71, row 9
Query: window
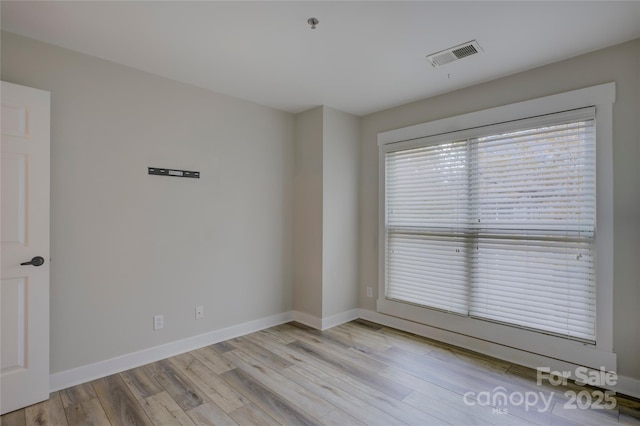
column 496, row 226
column 500, row 226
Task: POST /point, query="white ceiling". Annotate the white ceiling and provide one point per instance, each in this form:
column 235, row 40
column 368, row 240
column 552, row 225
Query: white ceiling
column 363, row 57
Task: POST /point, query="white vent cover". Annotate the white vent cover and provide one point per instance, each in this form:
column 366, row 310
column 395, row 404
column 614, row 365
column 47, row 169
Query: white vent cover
column 438, row 59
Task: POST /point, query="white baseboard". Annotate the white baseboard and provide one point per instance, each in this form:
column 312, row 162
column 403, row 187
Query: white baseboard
column 87, row 373
column 64, row 379
column 341, row 318
column 327, row 322
column 625, row 385
column 308, row 320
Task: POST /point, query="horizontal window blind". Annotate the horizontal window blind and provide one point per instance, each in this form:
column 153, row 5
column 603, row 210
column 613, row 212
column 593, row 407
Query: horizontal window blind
column 498, row 226
column 541, row 179
column 428, row 270
column 426, row 186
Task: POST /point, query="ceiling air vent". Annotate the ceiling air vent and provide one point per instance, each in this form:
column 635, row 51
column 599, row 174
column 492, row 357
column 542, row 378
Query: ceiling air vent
column 438, row 59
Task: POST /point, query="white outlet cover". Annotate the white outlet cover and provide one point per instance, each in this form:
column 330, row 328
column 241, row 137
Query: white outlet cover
column 158, row 322
column 199, row 312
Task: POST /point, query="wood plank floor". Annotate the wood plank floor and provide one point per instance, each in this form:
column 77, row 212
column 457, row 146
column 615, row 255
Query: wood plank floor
column 358, row 373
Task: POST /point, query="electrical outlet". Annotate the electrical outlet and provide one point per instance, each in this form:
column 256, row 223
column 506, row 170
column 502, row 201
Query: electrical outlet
column 369, row 292
column 158, row 322
column 199, row 312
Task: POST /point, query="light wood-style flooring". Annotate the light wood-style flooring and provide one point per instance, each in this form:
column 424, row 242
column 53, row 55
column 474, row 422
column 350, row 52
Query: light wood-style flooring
column 358, row 373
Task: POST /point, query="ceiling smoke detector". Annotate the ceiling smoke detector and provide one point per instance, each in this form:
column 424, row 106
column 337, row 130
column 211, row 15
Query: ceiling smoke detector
column 443, row 57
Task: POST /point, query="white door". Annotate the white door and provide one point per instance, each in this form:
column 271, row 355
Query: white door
column 24, row 289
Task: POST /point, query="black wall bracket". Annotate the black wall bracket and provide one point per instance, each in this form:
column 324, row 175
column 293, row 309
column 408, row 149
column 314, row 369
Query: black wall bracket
column 171, row 172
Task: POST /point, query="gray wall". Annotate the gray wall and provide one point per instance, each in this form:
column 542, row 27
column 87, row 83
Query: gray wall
column 620, row 64
column 307, row 293
column 341, row 134
column 326, row 212
column 126, row 245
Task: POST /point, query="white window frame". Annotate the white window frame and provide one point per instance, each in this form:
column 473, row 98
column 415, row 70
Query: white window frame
column 596, row 355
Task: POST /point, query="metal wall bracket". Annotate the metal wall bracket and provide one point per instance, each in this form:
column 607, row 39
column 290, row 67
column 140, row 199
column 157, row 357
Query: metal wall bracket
column 172, row 172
